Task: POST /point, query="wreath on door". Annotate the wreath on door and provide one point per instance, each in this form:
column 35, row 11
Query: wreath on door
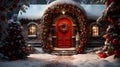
column 63, row 27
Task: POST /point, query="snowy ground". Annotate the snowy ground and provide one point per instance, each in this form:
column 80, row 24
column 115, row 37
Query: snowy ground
column 47, row 60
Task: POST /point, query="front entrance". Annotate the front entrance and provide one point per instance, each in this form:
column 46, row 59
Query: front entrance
column 63, row 33
column 64, row 28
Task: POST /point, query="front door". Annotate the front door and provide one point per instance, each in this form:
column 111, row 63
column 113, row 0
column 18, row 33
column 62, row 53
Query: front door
column 64, row 33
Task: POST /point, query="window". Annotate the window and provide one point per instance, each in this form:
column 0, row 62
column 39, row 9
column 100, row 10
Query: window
column 32, row 31
column 95, row 30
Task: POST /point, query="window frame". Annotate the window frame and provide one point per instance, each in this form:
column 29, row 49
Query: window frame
column 36, row 26
column 95, row 25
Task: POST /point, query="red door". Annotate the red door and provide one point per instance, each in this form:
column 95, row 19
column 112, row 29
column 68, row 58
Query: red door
column 64, row 33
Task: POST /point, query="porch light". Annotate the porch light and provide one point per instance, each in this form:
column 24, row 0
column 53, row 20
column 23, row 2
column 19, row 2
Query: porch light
column 63, row 12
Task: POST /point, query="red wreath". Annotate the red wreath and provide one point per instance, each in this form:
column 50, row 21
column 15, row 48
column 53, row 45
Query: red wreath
column 63, row 27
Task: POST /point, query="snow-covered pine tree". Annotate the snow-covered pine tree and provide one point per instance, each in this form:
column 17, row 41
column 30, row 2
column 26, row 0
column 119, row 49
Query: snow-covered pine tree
column 9, row 6
column 13, row 46
column 5, row 7
column 111, row 14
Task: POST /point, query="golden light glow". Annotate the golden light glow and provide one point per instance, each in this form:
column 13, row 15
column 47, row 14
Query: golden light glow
column 32, row 30
column 63, row 12
column 95, row 31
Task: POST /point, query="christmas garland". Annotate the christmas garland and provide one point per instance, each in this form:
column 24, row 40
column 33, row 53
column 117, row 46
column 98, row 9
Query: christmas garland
column 69, row 8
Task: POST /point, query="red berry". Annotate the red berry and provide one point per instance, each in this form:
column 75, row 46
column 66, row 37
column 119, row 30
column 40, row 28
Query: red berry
column 114, row 41
column 107, row 36
column 116, row 52
column 102, row 55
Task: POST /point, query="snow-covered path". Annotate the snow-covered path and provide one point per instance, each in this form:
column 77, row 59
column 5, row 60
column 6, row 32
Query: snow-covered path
column 46, row 60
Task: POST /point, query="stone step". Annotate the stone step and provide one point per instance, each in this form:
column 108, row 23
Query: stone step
column 64, row 52
column 64, row 48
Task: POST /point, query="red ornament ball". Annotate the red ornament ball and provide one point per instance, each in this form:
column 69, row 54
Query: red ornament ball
column 102, row 55
column 114, row 41
column 107, row 36
column 116, row 52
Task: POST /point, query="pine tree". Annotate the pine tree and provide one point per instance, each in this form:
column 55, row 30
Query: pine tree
column 5, row 7
column 9, row 6
column 111, row 14
column 14, row 46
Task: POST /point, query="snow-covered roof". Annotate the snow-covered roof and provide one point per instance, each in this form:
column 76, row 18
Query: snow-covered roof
column 93, row 11
column 36, row 11
column 33, row 12
column 64, row 2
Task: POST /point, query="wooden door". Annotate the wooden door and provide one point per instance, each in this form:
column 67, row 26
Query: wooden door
column 64, row 33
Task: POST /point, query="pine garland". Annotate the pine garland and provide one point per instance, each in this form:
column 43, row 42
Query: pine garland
column 56, row 9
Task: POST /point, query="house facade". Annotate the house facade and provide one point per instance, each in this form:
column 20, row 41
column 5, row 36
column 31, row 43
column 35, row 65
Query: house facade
column 63, row 25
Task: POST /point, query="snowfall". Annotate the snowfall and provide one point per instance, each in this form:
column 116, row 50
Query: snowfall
column 48, row 60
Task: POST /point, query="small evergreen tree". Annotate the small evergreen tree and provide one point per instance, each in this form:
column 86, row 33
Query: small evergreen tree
column 111, row 14
column 14, row 46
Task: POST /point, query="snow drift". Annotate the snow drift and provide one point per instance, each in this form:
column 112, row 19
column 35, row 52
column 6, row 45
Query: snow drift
column 46, row 60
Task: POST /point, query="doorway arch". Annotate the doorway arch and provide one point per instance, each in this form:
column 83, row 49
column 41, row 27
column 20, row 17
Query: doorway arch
column 77, row 15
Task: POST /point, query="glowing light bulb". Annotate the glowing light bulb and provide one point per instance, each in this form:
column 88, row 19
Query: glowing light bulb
column 63, row 12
